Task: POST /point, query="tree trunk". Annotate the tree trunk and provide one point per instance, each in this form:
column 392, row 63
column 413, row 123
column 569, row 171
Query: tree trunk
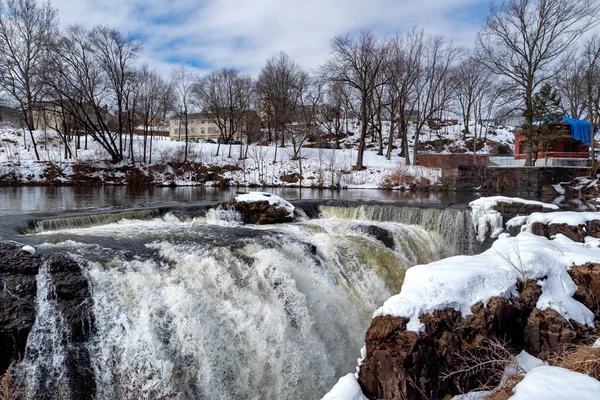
column 363, row 133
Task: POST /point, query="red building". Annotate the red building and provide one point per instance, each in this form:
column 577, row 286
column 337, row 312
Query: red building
column 572, row 150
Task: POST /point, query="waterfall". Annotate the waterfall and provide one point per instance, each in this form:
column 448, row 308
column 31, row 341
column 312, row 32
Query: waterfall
column 453, row 226
column 86, row 220
column 222, row 310
column 44, row 363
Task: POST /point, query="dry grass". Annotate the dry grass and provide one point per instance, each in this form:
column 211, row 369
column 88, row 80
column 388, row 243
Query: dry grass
column 583, row 359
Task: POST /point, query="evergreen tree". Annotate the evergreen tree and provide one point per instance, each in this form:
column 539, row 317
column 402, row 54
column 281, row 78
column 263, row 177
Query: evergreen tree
column 547, row 111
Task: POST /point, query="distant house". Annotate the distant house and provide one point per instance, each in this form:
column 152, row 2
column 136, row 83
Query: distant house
column 573, row 149
column 411, row 116
column 11, row 116
column 200, row 127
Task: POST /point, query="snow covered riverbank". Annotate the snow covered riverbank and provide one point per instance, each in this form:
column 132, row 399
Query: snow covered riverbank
column 323, row 168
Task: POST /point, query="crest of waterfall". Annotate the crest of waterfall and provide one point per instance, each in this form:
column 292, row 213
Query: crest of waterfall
column 265, row 312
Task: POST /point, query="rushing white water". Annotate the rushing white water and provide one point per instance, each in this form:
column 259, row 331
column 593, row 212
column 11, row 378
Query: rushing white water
column 272, row 312
column 452, row 225
column 43, row 367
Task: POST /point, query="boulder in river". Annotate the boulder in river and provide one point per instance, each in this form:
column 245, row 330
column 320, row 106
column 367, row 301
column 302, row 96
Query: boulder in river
column 263, row 208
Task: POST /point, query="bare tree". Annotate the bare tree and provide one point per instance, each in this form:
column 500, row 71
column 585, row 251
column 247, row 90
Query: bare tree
column 278, row 87
column 405, row 68
column 591, row 60
column 357, row 62
column 116, row 54
column 224, row 96
column 571, row 83
column 305, row 123
column 472, row 81
column 434, row 86
column 26, row 30
column 524, row 39
column 184, row 79
column 332, row 110
column 150, row 108
column 78, row 87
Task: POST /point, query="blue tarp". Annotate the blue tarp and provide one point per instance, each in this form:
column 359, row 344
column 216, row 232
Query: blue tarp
column 580, row 130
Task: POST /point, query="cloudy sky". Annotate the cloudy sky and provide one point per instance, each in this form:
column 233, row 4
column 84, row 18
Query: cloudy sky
column 208, row 34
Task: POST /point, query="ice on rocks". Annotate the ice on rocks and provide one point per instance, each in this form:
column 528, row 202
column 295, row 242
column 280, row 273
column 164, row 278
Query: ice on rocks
column 486, row 218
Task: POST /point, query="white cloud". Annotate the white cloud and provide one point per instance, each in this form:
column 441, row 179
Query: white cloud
column 244, row 33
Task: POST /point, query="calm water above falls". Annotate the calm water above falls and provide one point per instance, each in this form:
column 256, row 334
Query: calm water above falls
column 35, row 199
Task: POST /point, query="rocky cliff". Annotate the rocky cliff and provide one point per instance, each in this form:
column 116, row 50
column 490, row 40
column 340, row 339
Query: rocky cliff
column 19, row 272
column 457, row 354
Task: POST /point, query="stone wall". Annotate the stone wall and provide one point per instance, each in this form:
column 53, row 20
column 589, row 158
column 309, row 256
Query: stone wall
column 507, row 180
column 451, row 160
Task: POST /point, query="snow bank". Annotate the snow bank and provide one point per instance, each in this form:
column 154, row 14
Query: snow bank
column 347, row 388
column 253, row 197
column 463, row 281
column 572, row 218
column 554, row 383
column 486, row 217
column 564, row 217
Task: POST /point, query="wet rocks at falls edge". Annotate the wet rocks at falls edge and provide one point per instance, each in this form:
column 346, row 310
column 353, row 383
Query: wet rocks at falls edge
column 406, row 364
column 74, row 299
column 18, row 271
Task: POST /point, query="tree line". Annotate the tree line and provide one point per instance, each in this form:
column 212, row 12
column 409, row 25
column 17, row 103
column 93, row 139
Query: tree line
column 91, row 79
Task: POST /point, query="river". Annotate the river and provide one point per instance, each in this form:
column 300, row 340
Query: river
column 186, row 298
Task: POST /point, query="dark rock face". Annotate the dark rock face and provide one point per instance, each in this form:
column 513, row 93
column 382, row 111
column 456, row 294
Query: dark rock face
column 587, row 279
column 407, row 365
column 18, row 289
column 75, row 304
column 576, row 233
column 382, row 235
column 511, row 210
column 261, row 212
column 18, row 293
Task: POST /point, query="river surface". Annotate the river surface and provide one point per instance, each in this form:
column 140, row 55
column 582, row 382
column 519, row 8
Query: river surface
column 34, row 199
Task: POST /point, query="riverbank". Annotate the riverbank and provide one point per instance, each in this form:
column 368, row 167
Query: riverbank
column 166, row 163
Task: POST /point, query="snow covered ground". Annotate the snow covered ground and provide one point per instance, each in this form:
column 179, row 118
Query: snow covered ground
column 463, row 281
column 320, row 167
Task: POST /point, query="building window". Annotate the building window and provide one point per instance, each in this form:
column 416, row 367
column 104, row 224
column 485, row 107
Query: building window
column 176, row 131
column 201, row 130
column 193, row 130
column 212, row 130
